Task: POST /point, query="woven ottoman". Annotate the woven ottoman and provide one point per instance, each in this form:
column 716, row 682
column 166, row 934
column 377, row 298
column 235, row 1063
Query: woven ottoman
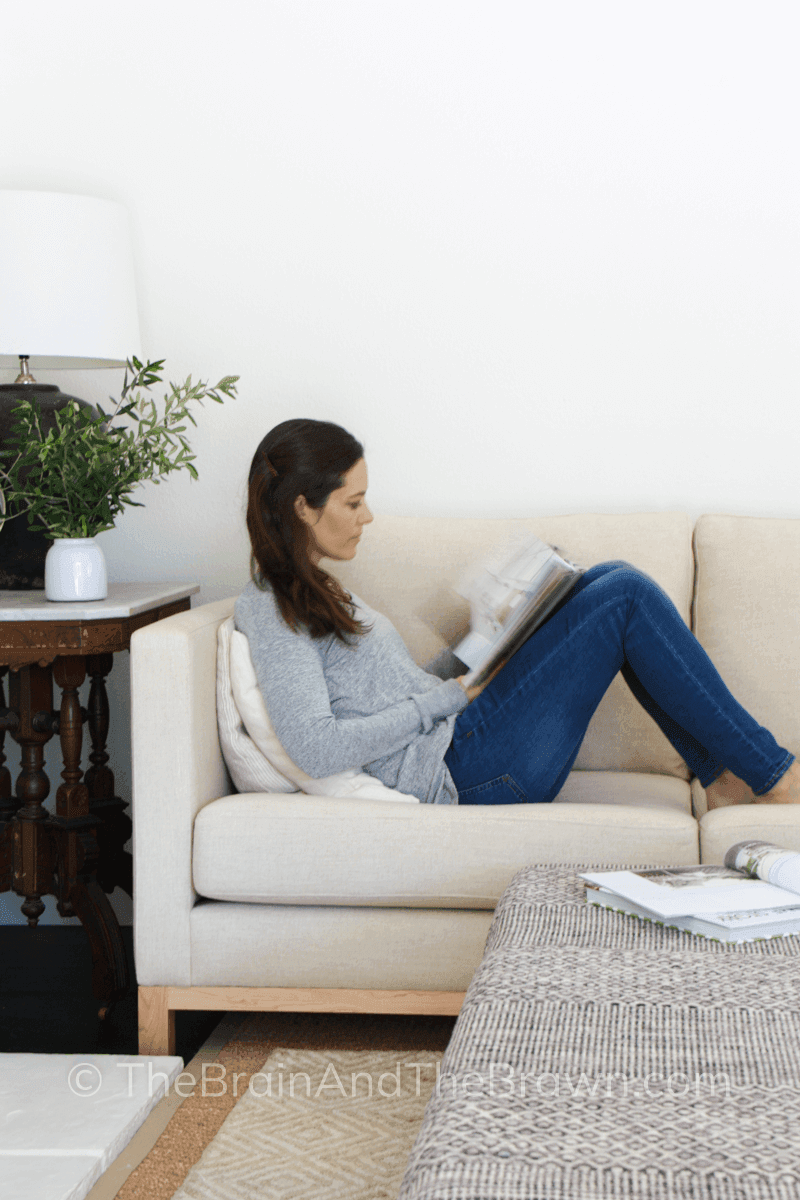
column 599, row 1057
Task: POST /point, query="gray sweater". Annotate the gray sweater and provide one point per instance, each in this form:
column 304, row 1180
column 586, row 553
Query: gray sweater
column 365, row 705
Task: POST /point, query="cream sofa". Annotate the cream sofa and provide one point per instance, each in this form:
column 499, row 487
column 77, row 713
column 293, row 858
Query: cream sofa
column 303, row 902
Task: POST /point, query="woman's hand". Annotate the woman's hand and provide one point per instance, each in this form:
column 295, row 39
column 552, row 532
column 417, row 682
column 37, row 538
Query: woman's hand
column 472, row 692
column 475, row 691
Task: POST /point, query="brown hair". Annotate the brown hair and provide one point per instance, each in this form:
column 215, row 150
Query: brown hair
column 299, row 458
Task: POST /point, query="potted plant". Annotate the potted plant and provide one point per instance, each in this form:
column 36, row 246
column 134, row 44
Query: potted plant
column 75, row 480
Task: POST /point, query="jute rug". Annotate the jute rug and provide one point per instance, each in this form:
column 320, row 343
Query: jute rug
column 318, row 1106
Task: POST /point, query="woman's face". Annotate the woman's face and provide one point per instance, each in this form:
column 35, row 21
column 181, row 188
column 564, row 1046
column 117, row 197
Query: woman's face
column 336, row 527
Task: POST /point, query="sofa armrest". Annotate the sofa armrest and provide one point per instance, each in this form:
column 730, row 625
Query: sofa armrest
column 177, row 769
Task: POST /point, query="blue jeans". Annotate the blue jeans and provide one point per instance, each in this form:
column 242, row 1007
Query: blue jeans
column 517, row 741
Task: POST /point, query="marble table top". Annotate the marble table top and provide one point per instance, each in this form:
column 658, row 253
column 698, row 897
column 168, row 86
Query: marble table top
column 123, row 600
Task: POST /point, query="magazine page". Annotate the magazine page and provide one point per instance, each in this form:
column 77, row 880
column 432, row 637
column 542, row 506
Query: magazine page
column 509, row 597
column 690, row 891
column 778, row 866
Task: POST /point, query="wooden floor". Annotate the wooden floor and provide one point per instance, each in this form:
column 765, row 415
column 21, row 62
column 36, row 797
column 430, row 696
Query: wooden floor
column 46, row 1001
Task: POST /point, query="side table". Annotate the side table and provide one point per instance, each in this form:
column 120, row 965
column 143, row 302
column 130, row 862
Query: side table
column 76, row 855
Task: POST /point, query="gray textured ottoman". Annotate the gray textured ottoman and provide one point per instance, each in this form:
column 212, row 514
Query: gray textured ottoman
column 597, row 1057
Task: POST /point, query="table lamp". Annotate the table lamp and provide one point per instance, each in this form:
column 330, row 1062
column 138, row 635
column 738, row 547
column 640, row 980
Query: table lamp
column 67, row 300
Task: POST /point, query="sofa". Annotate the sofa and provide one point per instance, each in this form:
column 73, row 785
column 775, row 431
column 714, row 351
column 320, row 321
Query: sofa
column 303, row 902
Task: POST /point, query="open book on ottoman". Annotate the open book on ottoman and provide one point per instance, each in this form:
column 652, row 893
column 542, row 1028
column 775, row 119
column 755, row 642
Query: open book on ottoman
column 756, row 894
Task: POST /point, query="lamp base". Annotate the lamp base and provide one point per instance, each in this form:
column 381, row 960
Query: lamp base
column 22, row 552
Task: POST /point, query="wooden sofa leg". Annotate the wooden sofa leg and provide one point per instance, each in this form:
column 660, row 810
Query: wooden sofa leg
column 156, row 1022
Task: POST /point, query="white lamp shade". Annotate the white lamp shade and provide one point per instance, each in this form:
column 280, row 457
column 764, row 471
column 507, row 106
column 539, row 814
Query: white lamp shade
column 67, row 287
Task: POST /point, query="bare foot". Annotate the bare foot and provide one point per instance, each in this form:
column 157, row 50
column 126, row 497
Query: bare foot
column 728, row 789
column 786, row 790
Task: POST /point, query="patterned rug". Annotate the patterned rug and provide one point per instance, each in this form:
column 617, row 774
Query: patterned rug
column 318, row 1106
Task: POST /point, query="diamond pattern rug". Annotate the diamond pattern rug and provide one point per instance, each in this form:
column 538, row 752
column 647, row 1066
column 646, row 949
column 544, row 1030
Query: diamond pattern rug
column 319, row 1124
column 281, row 1115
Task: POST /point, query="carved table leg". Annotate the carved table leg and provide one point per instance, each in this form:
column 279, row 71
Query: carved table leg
column 72, row 797
column 79, row 891
column 113, row 823
column 8, row 803
column 31, row 692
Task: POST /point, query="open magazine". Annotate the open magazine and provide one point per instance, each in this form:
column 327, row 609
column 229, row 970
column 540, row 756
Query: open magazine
column 756, row 894
column 509, row 597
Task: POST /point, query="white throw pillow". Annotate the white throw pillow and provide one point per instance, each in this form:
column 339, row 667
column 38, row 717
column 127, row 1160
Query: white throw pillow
column 250, row 706
column 249, row 769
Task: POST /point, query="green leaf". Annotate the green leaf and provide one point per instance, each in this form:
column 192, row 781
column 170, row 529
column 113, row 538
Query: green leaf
column 78, row 477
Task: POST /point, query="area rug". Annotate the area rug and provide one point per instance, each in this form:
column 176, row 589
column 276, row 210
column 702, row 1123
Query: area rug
column 319, row 1106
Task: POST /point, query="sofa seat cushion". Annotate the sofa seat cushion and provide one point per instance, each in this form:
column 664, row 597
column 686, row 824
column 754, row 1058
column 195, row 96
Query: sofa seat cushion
column 297, row 849
column 722, row 828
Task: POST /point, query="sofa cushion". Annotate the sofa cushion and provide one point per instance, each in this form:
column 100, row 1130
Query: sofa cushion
column 724, row 827
column 745, row 612
column 408, row 567
column 306, row 850
column 300, row 946
column 247, row 735
column 249, row 769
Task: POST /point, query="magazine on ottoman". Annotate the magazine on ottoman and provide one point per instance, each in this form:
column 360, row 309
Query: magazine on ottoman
column 756, row 894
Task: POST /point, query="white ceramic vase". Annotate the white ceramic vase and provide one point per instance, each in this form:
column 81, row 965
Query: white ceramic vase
column 75, row 569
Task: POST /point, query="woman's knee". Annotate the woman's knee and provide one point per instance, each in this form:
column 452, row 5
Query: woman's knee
column 636, row 585
column 617, row 582
column 621, row 578
column 604, row 569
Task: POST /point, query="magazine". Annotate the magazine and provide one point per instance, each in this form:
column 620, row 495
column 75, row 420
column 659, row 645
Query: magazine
column 756, row 894
column 509, row 597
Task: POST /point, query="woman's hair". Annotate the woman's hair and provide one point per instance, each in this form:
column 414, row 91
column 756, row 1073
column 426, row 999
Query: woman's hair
column 299, row 458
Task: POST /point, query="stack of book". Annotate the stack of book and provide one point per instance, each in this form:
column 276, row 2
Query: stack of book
column 756, row 894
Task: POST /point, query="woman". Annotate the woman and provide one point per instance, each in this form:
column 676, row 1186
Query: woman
column 342, row 690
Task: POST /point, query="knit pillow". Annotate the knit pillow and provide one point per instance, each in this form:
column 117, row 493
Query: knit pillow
column 256, row 727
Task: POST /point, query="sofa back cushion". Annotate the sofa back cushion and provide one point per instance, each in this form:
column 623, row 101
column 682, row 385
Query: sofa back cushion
column 407, row 568
column 748, row 583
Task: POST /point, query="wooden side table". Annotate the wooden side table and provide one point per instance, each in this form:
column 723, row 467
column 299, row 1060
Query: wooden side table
column 76, row 855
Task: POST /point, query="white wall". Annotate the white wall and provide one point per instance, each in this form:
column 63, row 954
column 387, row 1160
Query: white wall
column 425, row 218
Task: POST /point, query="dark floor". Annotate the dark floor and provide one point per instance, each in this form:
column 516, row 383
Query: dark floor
column 46, row 1001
